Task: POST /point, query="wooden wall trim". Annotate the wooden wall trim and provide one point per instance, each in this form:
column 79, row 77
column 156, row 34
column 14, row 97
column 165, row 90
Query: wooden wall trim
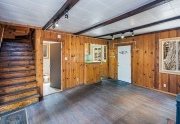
column 1, row 35
column 38, row 60
column 157, row 90
column 20, row 25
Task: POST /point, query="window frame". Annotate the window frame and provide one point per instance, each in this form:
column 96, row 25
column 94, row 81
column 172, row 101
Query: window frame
column 161, row 55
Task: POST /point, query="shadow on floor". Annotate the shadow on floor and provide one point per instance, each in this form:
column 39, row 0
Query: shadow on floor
column 118, row 82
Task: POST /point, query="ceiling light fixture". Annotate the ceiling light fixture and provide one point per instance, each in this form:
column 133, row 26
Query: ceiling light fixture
column 132, row 33
column 122, row 35
column 66, row 13
column 112, row 37
column 53, row 26
column 56, row 24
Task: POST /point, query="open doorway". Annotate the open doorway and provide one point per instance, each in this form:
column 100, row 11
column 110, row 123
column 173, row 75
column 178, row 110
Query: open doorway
column 51, row 67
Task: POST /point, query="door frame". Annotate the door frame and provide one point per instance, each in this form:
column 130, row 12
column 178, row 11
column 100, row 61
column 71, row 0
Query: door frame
column 126, row 44
column 51, row 40
column 130, row 60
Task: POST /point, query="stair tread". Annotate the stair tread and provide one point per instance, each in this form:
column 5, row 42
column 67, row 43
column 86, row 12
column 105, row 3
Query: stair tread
column 15, row 78
column 18, row 100
column 16, row 63
column 17, row 95
column 17, row 66
column 16, row 58
column 16, row 85
column 17, row 52
column 17, row 72
column 18, row 92
column 12, row 53
column 16, row 41
column 12, row 75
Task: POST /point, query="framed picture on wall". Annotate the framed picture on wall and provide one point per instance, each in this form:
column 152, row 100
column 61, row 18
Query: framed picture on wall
column 45, row 51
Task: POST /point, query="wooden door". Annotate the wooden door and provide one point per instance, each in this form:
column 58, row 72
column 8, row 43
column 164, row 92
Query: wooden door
column 55, row 68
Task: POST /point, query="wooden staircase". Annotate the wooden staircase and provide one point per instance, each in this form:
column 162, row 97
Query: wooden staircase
column 18, row 85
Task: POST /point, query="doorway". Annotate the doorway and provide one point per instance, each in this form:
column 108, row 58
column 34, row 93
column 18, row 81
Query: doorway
column 124, row 63
column 51, row 67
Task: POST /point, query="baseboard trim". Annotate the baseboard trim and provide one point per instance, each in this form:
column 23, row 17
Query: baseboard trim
column 157, row 90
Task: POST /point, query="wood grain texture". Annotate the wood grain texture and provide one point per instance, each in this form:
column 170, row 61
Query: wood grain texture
column 18, row 86
column 39, row 60
column 1, row 35
column 92, row 73
column 17, row 68
column 145, row 69
column 73, row 48
column 8, row 82
column 7, row 54
column 18, row 105
column 104, row 103
column 11, row 89
column 17, row 74
column 11, row 97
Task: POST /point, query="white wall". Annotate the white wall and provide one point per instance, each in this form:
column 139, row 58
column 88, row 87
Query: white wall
column 46, row 68
column 46, row 63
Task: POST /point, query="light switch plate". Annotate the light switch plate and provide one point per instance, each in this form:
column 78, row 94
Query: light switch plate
column 66, row 58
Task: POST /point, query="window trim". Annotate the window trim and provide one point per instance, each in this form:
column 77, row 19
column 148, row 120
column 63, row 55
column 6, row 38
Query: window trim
column 161, row 41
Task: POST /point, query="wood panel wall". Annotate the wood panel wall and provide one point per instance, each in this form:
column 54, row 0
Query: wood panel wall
column 73, row 49
column 145, row 62
column 1, row 34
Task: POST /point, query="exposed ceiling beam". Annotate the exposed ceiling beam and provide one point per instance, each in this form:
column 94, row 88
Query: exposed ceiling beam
column 126, row 15
column 68, row 5
column 140, row 27
column 152, row 32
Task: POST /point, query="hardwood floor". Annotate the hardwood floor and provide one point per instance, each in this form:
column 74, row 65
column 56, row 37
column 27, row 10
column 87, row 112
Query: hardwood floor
column 104, row 103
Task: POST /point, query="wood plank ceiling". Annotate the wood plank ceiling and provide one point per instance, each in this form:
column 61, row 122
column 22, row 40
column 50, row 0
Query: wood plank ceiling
column 87, row 13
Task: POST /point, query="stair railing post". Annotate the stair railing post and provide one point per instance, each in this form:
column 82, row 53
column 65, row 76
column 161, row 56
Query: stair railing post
column 178, row 109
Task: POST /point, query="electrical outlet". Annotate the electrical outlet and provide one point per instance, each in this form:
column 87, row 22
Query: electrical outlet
column 164, row 85
column 77, row 79
column 66, row 58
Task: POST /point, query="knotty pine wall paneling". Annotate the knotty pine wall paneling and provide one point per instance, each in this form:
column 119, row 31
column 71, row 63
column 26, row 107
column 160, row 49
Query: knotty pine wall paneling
column 73, row 49
column 39, row 60
column 145, row 63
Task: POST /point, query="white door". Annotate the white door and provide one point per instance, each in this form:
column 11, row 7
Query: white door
column 124, row 63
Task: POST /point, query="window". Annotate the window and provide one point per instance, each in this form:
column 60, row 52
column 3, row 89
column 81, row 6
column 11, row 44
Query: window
column 169, row 54
column 100, row 53
column 97, row 53
column 104, row 53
